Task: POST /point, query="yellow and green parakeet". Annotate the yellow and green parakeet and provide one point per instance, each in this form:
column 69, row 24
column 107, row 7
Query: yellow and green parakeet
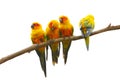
column 86, row 26
column 37, row 37
column 52, row 32
column 66, row 30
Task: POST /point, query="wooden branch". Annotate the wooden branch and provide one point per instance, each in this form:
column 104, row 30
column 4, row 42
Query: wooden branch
column 35, row 46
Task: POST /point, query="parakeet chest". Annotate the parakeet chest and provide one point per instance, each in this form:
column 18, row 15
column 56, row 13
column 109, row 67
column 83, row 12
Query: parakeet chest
column 66, row 32
column 54, row 34
column 38, row 38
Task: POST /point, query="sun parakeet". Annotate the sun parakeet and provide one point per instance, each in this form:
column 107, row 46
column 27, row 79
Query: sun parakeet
column 52, row 32
column 86, row 26
column 37, row 37
column 66, row 30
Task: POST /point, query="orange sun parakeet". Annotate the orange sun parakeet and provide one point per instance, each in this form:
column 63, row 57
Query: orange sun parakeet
column 86, row 26
column 37, row 37
column 52, row 32
column 66, row 30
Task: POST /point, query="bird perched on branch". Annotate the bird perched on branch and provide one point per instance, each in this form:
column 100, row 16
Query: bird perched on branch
column 52, row 32
column 86, row 26
column 37, row 37
column 66, row 30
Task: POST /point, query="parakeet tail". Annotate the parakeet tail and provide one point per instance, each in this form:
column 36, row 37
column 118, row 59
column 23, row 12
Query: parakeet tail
column 65, row 57
column 46, row 52
column 55, row 56
column 59, row 50
column 66, row 46
column 87, row 42
column 42, row 61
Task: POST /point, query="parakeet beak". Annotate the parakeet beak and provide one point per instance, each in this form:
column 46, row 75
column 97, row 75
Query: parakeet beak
column 61, row 20
column 32, row 26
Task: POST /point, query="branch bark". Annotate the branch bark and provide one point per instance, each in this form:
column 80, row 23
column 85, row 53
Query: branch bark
column 35, row 46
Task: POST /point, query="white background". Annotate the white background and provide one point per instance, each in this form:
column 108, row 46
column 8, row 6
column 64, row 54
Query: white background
column 101, row 62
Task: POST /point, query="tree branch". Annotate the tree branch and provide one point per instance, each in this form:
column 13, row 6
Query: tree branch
column 35, row 46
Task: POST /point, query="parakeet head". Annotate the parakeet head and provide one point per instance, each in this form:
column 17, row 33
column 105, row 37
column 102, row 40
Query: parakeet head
column 63, row 19
column 36, row 25
column 53, row 25
column 90, row 17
